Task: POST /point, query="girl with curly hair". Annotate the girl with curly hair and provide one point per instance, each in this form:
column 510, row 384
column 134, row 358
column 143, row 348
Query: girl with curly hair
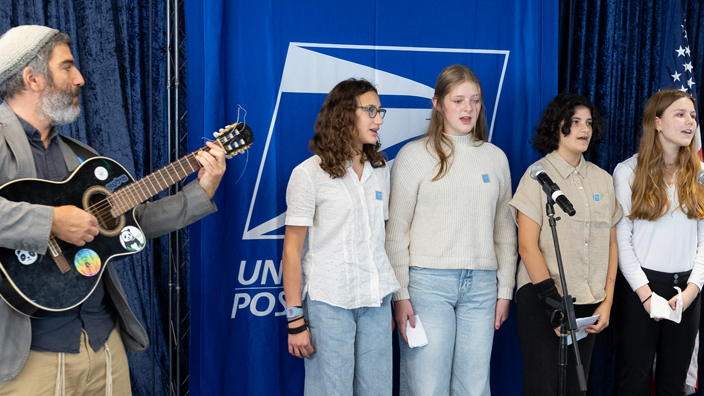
column 451, row 242
column 569, row 127
column 661, row 240
column 337, row 277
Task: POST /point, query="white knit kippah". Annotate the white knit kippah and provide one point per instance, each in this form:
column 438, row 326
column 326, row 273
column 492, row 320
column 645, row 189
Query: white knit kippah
column 19, row 46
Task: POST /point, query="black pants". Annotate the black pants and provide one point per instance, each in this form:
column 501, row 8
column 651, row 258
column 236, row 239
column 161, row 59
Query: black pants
column 541, row 346
column 640, row 338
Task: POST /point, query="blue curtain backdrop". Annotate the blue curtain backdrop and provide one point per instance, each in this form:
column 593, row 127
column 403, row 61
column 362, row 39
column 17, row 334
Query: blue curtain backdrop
column 238, row 51
column 610, row 52
column 119, row 47
column 278, row 60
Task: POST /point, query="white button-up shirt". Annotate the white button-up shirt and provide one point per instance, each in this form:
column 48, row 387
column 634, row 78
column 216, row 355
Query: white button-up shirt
column 343, row 260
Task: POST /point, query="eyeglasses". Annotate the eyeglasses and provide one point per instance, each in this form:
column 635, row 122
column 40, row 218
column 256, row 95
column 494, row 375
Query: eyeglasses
column 372, row 111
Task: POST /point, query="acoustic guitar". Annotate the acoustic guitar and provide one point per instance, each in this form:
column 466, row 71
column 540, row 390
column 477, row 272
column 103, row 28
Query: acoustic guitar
column 67, row 274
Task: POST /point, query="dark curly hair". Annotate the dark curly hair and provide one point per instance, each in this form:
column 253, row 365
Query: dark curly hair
column 560, row 111
column 335, row 133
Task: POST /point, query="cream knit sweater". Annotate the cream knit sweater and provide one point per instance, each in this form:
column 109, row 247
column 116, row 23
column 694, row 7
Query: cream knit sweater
column 462, row 221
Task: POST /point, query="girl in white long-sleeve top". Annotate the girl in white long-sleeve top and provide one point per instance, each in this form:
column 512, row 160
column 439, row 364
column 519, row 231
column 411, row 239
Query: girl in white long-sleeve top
column 661, row 246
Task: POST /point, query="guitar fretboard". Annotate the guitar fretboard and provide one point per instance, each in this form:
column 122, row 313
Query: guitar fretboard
column 133, row 194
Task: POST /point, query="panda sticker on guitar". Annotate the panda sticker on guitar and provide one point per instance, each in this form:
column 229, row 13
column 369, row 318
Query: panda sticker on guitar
column 132, row 239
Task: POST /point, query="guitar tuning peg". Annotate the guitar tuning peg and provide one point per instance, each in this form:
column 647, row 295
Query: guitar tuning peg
column 215, row 134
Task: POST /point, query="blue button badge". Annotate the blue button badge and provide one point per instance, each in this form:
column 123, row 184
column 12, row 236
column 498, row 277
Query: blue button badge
column 485, row 178
column 597, row 198
column 378, row 195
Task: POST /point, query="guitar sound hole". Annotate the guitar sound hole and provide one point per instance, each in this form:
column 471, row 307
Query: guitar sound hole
column 101, row 210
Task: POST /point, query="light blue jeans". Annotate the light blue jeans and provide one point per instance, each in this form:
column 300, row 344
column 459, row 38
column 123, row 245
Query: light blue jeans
column 457, row 310
column 353, row 351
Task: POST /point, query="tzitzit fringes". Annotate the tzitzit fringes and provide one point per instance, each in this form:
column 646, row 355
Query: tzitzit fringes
column 60, row 389
column 108, row 371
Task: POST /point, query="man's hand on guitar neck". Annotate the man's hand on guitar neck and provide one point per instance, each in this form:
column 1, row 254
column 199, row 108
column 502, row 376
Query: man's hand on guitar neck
column 74, row 225
column 213, row 163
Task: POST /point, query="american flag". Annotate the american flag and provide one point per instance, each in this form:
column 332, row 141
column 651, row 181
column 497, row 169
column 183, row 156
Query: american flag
column 676, row 70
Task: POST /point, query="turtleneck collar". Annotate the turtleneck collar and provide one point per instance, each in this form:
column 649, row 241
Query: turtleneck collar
column 462, row 141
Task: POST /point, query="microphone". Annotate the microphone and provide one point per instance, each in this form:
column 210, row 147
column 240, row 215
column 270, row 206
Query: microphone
column 700, row 176
column 537, row 172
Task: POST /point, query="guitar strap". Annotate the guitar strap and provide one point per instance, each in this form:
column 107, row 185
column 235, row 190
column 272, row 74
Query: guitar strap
column 80, row 149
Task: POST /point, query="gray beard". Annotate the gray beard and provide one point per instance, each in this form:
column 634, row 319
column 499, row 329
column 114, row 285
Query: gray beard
column 58, row 106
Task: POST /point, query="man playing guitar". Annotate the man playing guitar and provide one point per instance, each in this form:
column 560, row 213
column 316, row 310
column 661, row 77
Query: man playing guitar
column 40, row 84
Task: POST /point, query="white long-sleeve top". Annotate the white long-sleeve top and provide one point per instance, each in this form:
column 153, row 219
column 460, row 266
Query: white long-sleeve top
column 673, row 243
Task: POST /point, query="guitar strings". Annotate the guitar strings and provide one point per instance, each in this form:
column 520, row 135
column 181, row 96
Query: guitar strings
column 102, row 210
column 104, row 207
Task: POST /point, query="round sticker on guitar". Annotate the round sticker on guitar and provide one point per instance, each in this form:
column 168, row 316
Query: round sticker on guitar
column 101, row 173
column 87, row 262
column 26, row 257
column 131, row 238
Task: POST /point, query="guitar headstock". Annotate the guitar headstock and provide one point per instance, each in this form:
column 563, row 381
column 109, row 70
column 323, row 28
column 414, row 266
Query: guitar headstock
column 234, row 138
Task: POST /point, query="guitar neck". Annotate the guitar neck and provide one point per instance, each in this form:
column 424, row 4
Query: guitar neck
column 133, row 194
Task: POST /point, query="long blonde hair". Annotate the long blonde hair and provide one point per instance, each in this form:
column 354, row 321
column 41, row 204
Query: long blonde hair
column 649, row 197
column 448, row 79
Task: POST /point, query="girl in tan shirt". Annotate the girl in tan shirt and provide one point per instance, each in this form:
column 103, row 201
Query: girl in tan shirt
column 569, row 126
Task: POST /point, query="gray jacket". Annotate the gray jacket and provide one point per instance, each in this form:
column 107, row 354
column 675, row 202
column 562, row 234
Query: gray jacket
column 30, row 230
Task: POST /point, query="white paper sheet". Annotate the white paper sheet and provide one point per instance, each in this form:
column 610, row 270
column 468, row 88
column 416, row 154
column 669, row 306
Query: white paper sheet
column 660, row 309
column 582, row 324
column 416, row 336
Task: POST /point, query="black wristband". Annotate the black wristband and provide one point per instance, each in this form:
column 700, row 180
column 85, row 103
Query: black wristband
column 647, row 298
column 299, row 329
column 296, row 319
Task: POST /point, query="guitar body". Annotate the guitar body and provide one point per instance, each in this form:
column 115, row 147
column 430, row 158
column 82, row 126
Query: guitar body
column 33, row 282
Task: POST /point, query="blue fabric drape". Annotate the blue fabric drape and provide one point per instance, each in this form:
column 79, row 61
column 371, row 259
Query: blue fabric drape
column 610, row 52
column 257, row 54
column 119, row 46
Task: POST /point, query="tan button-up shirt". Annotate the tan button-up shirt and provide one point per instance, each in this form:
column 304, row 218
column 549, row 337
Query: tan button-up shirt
column 584, row 237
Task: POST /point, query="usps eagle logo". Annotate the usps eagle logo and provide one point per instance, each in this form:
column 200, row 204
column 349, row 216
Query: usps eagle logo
column 405, row 79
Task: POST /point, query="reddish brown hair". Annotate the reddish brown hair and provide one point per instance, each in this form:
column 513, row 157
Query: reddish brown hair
column 649, row 192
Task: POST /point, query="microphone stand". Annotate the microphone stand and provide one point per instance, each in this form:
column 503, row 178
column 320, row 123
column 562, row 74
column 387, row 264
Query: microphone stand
column 568, row 322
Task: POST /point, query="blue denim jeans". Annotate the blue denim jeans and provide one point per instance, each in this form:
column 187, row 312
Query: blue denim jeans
column 353, row 351
column 457, row 310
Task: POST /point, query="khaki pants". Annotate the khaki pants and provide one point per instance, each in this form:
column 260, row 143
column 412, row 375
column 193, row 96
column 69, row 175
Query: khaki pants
column 80, row 374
